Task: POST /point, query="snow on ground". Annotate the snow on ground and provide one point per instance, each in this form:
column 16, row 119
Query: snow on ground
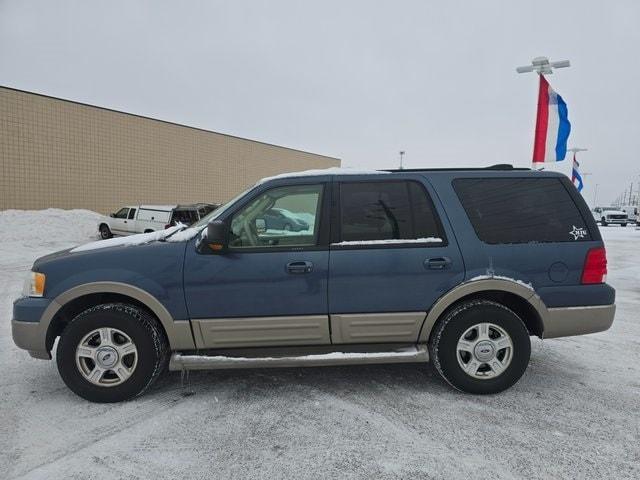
column 574, row 414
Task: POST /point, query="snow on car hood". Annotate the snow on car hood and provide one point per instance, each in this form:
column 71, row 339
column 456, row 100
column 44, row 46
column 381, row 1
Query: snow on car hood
column 177, row 233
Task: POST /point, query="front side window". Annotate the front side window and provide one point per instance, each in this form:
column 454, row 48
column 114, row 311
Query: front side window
column 122, row 213
column 387, row 212
column 521, row 210
column 281, row 217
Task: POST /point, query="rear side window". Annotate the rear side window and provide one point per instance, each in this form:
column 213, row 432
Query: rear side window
column 521, row 210
column 132, row 213
column 377, row 211
column 186, row 217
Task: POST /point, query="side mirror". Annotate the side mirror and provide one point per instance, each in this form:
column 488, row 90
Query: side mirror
column 217, row 236
column 112, row 215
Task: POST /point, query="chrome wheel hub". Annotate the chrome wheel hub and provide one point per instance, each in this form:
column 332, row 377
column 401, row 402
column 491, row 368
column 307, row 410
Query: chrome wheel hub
column 484, row 351
column 106, row 357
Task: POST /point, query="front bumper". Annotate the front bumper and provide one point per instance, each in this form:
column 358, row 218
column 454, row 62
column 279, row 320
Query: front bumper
column 567, row 321
column 616, row 221
column 27, row 330
column 29, row 336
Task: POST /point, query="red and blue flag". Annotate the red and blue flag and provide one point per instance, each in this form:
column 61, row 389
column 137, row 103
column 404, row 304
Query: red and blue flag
column 552, row 126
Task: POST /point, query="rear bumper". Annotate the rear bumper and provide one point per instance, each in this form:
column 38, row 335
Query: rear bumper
column 567, row 321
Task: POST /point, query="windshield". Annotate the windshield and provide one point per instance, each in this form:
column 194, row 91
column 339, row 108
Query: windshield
column 213, row 215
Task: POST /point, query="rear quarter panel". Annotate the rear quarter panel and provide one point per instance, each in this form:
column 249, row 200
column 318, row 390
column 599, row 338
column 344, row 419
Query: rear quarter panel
column 553, row 270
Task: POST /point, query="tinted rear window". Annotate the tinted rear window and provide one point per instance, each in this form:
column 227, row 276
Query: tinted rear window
column 521, row 210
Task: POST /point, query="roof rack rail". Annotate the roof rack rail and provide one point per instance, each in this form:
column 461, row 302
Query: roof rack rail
column 498, row 166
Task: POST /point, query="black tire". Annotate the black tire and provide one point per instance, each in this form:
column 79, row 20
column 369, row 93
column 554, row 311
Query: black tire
column 105, row 232
column 144, row 331
column 603, row 222
column 623, row 224
column 450, row 328
column 148, row 230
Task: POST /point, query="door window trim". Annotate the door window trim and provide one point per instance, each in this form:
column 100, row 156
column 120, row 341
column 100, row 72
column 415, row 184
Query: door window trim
column 336, row 226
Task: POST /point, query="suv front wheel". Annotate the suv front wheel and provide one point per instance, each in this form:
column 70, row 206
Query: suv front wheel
column 111, row 352
column 480, row 347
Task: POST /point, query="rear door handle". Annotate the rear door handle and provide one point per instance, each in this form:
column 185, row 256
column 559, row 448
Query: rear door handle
column 438, row 263
column 299, row 267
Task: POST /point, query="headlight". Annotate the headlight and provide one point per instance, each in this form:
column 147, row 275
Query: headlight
column 34, row 285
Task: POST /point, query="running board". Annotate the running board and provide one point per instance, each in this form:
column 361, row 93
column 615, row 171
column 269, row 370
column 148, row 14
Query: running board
column 218, row 362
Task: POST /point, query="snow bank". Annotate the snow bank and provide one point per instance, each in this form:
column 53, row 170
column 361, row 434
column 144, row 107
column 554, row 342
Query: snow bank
column 52, row 224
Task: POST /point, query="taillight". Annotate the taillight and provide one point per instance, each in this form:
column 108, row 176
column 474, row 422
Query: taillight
column 595, row 266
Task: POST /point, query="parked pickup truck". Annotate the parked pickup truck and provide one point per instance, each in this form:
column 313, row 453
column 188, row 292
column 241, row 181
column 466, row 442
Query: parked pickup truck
column 150, row 218
column 458, row 267
column 610, row 215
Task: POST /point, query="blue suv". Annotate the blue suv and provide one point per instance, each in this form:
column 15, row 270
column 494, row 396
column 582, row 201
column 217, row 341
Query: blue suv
column 456, row 266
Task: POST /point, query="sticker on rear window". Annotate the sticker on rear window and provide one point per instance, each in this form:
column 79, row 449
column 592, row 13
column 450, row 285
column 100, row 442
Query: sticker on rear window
column 578, row 232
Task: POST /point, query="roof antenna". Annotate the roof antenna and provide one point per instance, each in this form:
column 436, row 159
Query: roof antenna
column 401, row 155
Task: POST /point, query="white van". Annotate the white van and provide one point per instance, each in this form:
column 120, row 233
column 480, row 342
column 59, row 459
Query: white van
column 149, row 218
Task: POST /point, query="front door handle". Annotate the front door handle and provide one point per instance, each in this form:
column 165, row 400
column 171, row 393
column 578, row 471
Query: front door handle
column 299, row 267
column 437, row 263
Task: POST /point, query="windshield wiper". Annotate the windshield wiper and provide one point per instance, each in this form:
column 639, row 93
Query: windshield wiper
column 184, row 227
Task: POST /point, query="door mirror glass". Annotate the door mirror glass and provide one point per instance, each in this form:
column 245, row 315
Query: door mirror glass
column 217, row 236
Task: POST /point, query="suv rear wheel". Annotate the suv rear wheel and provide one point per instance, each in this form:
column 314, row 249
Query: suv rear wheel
column 480, row 347
column 111, row 352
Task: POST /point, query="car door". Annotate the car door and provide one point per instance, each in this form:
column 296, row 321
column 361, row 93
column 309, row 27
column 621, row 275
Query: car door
column 117, row 224
column 131, row 222
column 392, row 255
column 270, row 286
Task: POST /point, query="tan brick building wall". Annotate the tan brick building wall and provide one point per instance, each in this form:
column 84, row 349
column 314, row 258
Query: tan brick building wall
column 57, row 153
